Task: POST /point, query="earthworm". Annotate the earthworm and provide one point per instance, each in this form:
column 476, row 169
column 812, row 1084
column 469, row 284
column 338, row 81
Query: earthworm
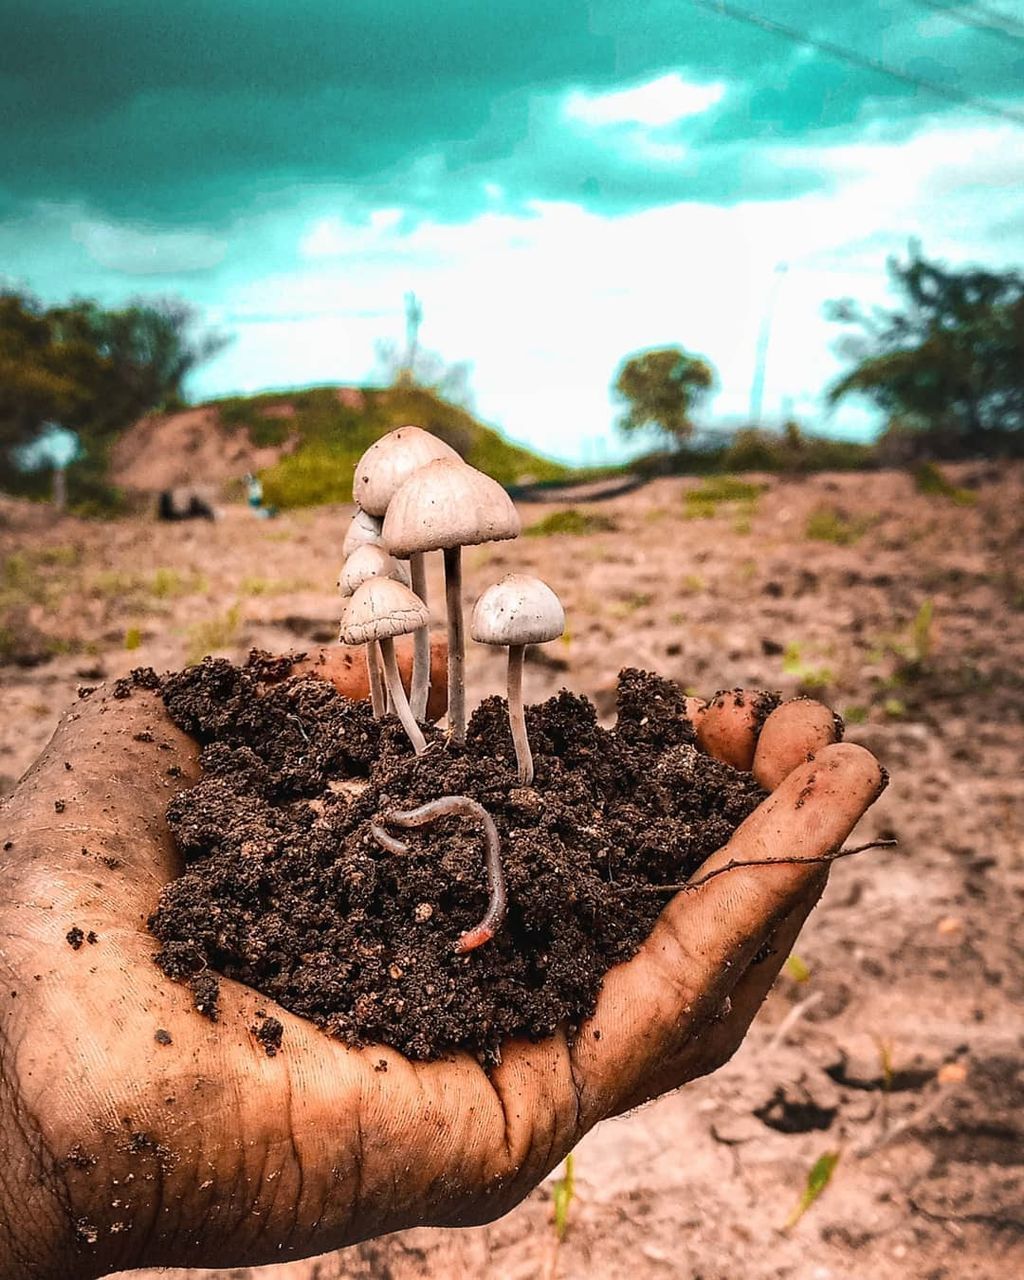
column 423, row 816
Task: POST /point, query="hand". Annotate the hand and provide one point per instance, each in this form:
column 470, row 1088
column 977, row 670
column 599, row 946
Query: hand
column 122, row 1151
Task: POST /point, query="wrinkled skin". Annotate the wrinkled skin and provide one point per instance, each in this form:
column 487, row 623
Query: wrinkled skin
column 205, row 1151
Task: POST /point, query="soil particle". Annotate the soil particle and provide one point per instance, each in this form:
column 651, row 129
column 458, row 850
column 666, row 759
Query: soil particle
column 269, row 1033
column 59, row 806
column 92, row 937
column 286, row 890
column 161, row 1036
column 206, row 995
column 78, row 1158
column 75, row 937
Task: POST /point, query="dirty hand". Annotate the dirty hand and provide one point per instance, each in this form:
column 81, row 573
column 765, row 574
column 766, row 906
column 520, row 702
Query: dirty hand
column 135, row 1132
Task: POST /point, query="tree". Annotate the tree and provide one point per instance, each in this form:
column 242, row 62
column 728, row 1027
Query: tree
column 659, row 389
column 91, row 370
column 949, row 360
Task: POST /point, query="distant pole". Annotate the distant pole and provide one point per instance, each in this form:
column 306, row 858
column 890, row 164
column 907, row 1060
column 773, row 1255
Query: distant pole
column 763, row 338
column 413, row 320
column 60, row 488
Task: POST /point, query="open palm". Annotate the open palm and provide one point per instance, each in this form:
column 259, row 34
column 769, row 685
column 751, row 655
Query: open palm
column 150, row 1135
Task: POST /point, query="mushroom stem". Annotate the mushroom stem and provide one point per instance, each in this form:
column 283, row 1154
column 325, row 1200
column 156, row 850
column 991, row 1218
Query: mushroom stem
column 373, row 676
column 497, row 903
column 516, row 714
column 421, row 642
column 399, row 701
column 456, row 644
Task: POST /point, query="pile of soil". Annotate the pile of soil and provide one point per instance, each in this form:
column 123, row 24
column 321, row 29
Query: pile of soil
column 286, row 889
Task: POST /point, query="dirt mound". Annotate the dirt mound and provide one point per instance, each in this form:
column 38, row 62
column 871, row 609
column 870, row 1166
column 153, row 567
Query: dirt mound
column 163, row 451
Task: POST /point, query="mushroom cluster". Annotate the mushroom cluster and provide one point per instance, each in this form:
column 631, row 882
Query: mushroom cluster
column 415, row 495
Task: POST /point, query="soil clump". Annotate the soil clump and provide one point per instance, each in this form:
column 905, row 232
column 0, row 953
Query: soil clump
column 286, row 889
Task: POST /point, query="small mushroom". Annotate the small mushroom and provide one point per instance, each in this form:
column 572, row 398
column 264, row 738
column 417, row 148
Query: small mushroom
column 382, row 469
column 364, row 531
column 381, row 609
column 446, row 506
column 517, row 611
column 369, row 561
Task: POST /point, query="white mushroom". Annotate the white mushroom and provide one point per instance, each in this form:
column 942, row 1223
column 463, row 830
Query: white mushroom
column 517, row 611
column 381, row 609
column 382, row 469
column 446, row 506
column 364, row 531
column 369, row 561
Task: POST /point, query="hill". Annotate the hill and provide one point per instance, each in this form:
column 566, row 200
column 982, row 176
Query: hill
column 304, row 443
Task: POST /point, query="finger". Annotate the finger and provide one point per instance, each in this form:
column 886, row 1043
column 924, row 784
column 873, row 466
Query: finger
column 344, row 666
column 728, row 727
column 705, row 937
column 724, row 1032
column 790, row 734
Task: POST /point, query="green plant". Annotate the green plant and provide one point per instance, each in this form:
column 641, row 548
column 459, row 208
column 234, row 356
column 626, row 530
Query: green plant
column 571, row 520
column 928, row 479
column 562, row 1195
column 921, row 638
column 213, row 634
column 796, row 969
column 703, row 502
column 830, row 524
column 132, row 638
column 818, row 1178
column 811, row 679
column 855, row 714
column 894, row 708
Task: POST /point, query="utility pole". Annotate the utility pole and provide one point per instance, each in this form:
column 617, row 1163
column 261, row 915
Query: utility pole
column 413, row 320
column 763, row 338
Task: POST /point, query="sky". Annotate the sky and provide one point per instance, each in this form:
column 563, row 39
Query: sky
column 560, row 183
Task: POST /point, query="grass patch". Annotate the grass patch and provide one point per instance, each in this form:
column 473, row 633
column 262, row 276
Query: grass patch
column 831, row 524
column 811, row 680
column 571, row 520
column 703, row 502
column 928, row 479
column 213, row 635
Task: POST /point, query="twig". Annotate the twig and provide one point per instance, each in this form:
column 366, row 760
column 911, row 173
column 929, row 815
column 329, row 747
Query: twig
column 818, row 859
column 448, row 805
column 791, row 1019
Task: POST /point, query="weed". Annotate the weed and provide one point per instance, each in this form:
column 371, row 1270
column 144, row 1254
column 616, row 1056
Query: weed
column 811, row 679
column 797, row 969
column 132, row 638
column 213, row 635
column 928, row 479
column 562, row 1195
column 894, row 708
column 818, row 1178
column 630, row 604
column 855, row 714
column 830, row 524
column 570, row 520
column 921, row 633
column 691, row 585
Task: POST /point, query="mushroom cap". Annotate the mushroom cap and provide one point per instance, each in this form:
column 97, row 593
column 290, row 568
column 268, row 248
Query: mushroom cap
column 448, row 504
column 382, row 608
column 369, row 561
column 389, row 462
column 364, row 531
column 519, row 609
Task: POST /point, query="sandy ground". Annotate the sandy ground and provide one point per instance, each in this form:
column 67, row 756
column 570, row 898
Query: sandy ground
column 901, row 1047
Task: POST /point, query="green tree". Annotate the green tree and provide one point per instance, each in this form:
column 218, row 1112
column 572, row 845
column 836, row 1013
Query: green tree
column 92, row 370
column 948, row 360
column 659, row 390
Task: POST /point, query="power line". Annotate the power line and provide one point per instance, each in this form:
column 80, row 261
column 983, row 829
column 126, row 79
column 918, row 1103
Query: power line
column 844, row 54
column 980, row 18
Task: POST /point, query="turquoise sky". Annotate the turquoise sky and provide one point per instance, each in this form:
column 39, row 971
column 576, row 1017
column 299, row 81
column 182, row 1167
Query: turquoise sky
column 561, row 183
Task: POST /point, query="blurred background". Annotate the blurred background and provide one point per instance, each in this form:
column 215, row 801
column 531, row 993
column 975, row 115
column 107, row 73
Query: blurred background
column 731, row 297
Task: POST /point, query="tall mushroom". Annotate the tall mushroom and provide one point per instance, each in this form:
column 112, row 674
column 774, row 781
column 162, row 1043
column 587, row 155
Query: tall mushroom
column 381, row 609
column 446, row 506
column 370, row 561
column 364, row 531
column 381, row 470
column 517, row 611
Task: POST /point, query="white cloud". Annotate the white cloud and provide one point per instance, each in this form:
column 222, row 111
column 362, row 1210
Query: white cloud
column 139, row 250
column 655, row 104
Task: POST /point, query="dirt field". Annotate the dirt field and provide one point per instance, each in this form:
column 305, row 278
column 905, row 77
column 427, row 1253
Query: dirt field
column 898, row 1040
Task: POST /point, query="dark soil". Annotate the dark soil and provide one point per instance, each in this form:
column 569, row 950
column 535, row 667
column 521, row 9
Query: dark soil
column 286, row 890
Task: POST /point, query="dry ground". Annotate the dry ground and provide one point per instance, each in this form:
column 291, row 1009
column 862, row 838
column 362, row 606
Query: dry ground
column 902, row 1047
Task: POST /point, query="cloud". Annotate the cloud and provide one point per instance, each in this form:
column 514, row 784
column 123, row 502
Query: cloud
column 655, row 104
column 148, row 251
